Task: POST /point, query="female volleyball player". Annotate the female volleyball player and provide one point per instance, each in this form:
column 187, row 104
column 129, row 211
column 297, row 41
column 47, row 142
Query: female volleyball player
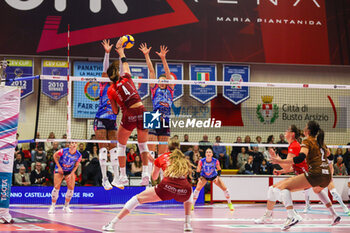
column 318, row 177
column 67, row 161
column 292, row 135
column 105, row 125
column 123, row 93
column 209, row 169
column 162, row 99
column 174, row 186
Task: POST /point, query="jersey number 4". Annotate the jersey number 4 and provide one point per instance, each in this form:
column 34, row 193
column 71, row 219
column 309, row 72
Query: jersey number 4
column 125, row 91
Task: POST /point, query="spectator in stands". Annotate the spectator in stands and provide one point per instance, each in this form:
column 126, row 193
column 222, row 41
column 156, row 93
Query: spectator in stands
column 339, row 167
column 18, row 146
column 270, row 139
column 220, row 154
column 267, row 155
column 338, row 153
column 176, row 137
column 248, row 166
column 136, row 166
column 247, row 139
column 50, row 161
column 40, row 156
column 195, row 155
column 346, row 159
column 258, row 157
column 242, row 158
column 94, row 153
column 234, row 153
column 265, row 168
column 282, row 151
column 21, row 177
column 130, row 158
column 90, row 145
column 204, row 144
column 63, row 144
column 19, row 161
column 38, row 176
column 186, row 149
column 85, row 156
column 48, row 145
column 133, row 146
column 33, row 147
column 259, row 141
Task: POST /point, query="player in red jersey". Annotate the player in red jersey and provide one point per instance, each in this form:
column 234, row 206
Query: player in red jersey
column 291, row 135
column 174, row 186
column 123, row 93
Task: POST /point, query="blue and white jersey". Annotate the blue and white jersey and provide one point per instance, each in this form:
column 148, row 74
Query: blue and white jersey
column 105, row 108
column 68, row 160
column 209, row 168
column 162, row 100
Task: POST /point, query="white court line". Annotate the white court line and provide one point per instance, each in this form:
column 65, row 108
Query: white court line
column 252, row 220
column 270, row 226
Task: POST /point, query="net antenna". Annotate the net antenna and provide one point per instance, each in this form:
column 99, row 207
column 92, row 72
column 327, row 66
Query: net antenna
column 69, row 87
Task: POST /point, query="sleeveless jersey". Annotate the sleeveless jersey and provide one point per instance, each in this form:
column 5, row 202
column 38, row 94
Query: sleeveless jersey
column 124, row 92
column 162, row 100
column 162, row 161
column 105, row 109
column 294, row 148
column 67, row 160
column 316, row 159
column 209, row 168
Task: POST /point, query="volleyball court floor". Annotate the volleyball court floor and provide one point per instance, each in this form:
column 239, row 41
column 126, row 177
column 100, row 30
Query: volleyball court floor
column 167, row 218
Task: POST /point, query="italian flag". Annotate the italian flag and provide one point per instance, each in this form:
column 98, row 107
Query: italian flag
column 203, row 77
column 139, row 84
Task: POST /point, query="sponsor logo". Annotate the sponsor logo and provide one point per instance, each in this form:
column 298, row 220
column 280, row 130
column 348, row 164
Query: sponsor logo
column 91, row 91
column 267, row 112
column 151, row 120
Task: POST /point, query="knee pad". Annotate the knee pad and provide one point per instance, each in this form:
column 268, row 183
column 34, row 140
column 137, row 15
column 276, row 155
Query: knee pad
column 277, row 194
column 286, row 197
column 271, row 194
column 54, row 193
column 121, row 150
column 114, row 156
column 143, row 147
column 132, row 204
column 195, row 193
column 227, row 194
column 103, row 156
column 69, row 194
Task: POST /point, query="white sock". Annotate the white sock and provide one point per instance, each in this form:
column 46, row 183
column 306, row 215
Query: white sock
column 66, row 204
column 187, row 218
column 337, row 197
column 290, row 213
column 116, row 172
column 144, row 169
column 268, row 212
column 53, row 204
column 104, row 172
column 227, row 195
column 307, row 197
column 122, row 171
column 115, row 220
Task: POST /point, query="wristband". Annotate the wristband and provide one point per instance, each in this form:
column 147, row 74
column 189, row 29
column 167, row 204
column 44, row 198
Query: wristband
column 219, row 173
column 123, row 59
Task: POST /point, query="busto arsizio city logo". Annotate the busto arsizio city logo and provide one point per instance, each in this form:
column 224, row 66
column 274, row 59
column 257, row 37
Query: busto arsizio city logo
column 151, row 120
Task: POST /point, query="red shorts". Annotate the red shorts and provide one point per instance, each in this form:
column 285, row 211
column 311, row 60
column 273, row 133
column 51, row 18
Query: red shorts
column 133, row 118
column 174, row 188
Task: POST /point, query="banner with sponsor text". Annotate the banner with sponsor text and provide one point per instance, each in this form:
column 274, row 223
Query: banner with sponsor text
column 234, row 74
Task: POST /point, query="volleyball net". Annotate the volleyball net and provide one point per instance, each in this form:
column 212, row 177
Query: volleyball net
column 228, row 109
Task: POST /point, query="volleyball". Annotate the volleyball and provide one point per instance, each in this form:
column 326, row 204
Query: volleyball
column 128, row 41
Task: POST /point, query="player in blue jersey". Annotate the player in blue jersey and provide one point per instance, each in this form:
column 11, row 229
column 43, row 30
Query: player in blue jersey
column 162, row 100
column 105, row 126
column 209, row 170
column 67, row 161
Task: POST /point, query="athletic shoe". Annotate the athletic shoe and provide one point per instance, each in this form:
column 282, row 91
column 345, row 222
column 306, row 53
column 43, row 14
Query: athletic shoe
column 192, row 207
column 336, row 220
column 116, row 184
column 187, row 227
column 230, row 206
column 297, row 216
column 108, row 227
column 7, row 218
column 264, row 219
column 123, row 180
column 67, row 209
column 145, row 179
column 307, row 209
column 51, row 210
column 289, row 223
column 106, row 185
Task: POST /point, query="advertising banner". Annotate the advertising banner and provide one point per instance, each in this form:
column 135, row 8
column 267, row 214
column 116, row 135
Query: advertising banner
column 203, row 72
column 51, row 88
column 232, row 73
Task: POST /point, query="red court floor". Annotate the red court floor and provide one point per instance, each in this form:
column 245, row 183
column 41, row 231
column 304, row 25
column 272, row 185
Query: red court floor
column 167, row 218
